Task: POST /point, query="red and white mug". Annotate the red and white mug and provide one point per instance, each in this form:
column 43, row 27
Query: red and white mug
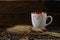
column 39, row 20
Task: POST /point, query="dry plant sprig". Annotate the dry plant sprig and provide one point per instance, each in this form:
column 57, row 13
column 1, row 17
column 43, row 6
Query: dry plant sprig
column 26, row 30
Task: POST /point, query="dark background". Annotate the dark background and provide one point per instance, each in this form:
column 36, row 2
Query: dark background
column 18, row 12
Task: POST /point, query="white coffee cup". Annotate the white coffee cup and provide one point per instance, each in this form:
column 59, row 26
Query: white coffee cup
column 39, row 20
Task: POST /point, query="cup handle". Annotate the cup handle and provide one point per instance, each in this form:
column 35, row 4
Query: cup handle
column 50, row 21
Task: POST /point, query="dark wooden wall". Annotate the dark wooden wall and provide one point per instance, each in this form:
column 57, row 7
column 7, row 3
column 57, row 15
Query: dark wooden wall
column 12, row 13
column 17, row 12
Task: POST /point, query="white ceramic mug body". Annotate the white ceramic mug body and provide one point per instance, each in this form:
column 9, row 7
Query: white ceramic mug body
column 39, row 20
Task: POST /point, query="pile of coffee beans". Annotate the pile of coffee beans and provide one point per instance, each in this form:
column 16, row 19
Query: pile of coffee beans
column 12, row 36
column 42, row 37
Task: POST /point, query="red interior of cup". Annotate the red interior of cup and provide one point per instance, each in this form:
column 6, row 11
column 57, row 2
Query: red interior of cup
column 38, row 12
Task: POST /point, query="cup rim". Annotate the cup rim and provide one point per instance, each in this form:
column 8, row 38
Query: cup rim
column 39, row 12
